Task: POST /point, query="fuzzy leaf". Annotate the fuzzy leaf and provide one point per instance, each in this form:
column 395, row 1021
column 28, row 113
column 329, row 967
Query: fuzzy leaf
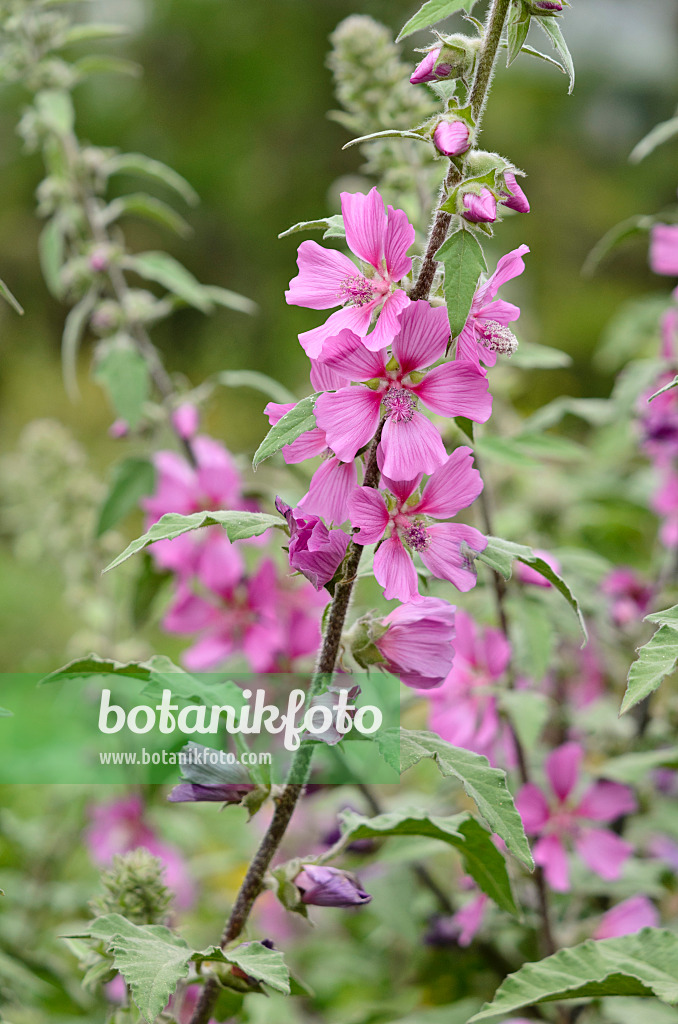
column 132, row 479
column 482, row 860
column 123, row 372
column 531, row 356
column 643, row 964
column 51, row 251
column 143, row 166
column 390, row 133
column 552, row 29
column 656, row 660
column 656, row 137
column 106, row 63
column 140, row 204
column 164, row 270
column 238, row 526
column 265, row 965
column 464, row 262
column 484, row 784
column 517, row 28
column 8, row 297
column 258, row 381
column 432, row 12
column 292, row 425
column 634, row 769
column 92, row 665
column 332, row 227
column 500, row 556
column 229, row 300
column 667, row 387
column 74, row 328
column 95, row 30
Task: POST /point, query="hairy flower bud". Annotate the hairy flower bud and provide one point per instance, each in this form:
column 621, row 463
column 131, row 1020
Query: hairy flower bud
column 480, row 208
column 452, row 138
column 454, row 59
column 135, row 888
column 321, row 886
column 513, row 196
column 545, row 7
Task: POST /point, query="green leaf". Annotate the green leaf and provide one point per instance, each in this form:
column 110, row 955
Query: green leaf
column 55, row 108
column 147, row 586
column 528, row 712
column 597, row 411
column 228, row 299
column 107, row 64
column 517, row 28
column 164, row 270
column 532, row 638
column 132, row 479
column 635, row 768
column 143, row 166
column 92, row 665
column 531, row 356
column 643, row 964
column 528, row 450
column 51, row 250
column 482, row 859
column 667, row 387
column 656, row 137
column 140, row 204
column 431, row 13
column 543, row 56
column 259, row 382
column 500, row 556
column 552, row 29
column 8, row 297
column 74, row 328
column 464, row 262
column 656, row 660
column 292, row 425
column 390, row 133
column 95, row 30
column 4, row 713
column 484, row 784
column 628, row 228
column 123, row 372
column 667, row 617
column 238, row 526
column 152, row 959
column 333, row 227
column 259, row 962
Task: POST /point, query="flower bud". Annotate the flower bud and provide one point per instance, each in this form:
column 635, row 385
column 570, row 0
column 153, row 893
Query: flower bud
column 545, row 7
column 514, row 197
column 118, row 429
column 321, row 886
column 452, row 138
column 480, row 208
column 185, row 420
column 454, row 59
column 100, row 258
column 228, row 793
column 417, row 642
column 315, row 551
column 135, row 888
column 424, row 69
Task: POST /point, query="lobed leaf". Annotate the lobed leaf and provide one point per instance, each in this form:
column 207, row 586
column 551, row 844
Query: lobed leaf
column 643, row 964
column 656, row 660
column 238, row 526
column 289, row 427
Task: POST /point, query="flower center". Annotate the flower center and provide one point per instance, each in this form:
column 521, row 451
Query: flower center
column 356, row 291
column 400, row 404
column 417, row 537
column 497, row 337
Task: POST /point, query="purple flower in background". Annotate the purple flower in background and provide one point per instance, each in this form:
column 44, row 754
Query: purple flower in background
column 557, row 820
column 480, row 209
column 230, row 793
column 627, row 918
column 329, row 887
column 315, row 551
column 664, row 249
column 630, row 596
column 185, row 420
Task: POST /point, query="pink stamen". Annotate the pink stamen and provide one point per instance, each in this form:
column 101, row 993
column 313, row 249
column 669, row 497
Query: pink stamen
column 356, row 291
column 400, row 404
column 417, row 538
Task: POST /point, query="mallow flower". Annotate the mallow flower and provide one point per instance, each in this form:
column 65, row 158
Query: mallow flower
column 627, row 918
column 664, row 249
column 480, row 207
column 558, row 820
column 486, row 332
column 446, row 549
column 410, row 443
column 322, row 886
column 327, row 278
column 451, row 138
column 315, row 551
column 513, row 196
column 416, row 641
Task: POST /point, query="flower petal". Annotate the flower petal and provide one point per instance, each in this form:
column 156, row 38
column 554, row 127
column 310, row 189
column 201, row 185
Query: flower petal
column 347, row 355
column 533, row 808
column 410, row 447
column 606, row 801
column 423, row 337
column 445, row 558
column 331, row 486
column 349, row 418
column 388, row 322
column 456, row 389
column 549, row 853
column 321, row 272
column 353, row 318
column 453, row 486
column 323, row 378
column 365, row 222
column 394, row 570
column 399, row 238
column 628, row 917
column 508, row 267
column 562, row 768
column 604, row 852
column 367, row 512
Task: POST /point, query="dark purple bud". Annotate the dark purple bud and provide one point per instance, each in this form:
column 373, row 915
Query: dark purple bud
column 315, row 551
column 329, row 887
column 424, row 70
column 190, row 792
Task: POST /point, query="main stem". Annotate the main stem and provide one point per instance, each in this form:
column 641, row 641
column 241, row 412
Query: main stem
column 254, row 879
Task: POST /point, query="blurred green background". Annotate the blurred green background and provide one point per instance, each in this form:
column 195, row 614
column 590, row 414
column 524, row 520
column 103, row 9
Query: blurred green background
column 234, row 95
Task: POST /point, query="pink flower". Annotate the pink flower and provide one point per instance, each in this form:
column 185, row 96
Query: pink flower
column 315, row 551
column 559, row 820
column 446, row 549
column 630, row 596
column 487, row 317
column 185, row 420
column 514, row 197
column 627, row 918
column 665, row 504
column 118, row 429
column 322, row 886
column 452, row 138
column 271, row 622
column 664, row 249
column 417, row 644
column 480, row 208
column 464, row 710
column 424, row 70
column 327, row 278
column 213, row 484
column 659, row 421
column 410, row 444
column 119, row 827
column 526, row 574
